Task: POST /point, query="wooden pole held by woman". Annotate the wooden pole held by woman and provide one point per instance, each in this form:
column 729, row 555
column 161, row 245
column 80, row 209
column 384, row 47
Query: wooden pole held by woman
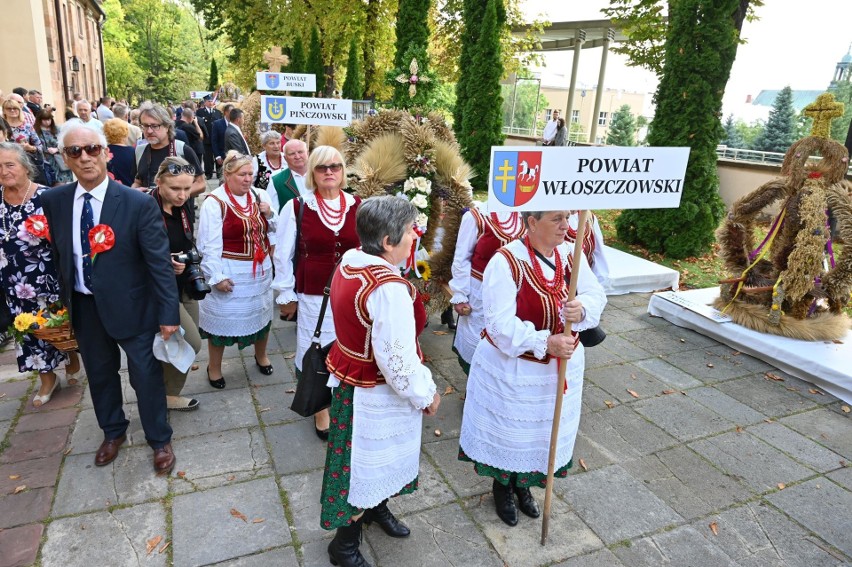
column 560, row 383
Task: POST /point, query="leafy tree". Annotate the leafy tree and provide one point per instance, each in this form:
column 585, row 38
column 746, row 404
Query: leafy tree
column 622, row 129
column 749, row 132
column 124, row 77
column 214, row 76
column 315, row 64
column 353, row 87
column 519, row 104
column 700, row 49
column 732, row 137
column 379, row 50
column 780, row 131
column 483, row 124
column 577, row 133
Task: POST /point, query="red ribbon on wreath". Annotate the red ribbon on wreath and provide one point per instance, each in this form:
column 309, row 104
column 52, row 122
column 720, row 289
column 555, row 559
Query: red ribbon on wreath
column 101, row 239
column 37, row 226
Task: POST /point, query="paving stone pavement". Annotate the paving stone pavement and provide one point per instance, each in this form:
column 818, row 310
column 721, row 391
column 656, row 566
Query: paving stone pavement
column 677, row 463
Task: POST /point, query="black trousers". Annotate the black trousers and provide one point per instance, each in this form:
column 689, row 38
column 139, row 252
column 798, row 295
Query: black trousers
column 209, row 160
column 103, row 360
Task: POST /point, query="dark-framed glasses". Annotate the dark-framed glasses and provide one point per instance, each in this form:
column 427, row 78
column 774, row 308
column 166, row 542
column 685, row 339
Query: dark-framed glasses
column 333, row 167
column 176, row 169
column 151, row 127
column 74, row 152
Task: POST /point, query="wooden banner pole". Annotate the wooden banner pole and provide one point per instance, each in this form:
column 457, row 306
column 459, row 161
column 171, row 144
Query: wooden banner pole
column 560, row 383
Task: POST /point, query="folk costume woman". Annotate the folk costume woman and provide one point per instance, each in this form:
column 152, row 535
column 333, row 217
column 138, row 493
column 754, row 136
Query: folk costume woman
column 381, row 389
column 592, row 244
column 234, row 235
column 315, row 231
column 480, row 236
column 511, row 390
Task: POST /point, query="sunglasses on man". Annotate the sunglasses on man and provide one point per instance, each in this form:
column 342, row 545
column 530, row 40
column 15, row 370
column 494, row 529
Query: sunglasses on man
column 74, row 152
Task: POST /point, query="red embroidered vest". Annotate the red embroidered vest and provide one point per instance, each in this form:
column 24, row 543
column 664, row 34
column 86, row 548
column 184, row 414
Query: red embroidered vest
column 351, row 356
column 237, row 241
column 491, row 238
column 320, row 248
column 534, row 304
column 589, row 242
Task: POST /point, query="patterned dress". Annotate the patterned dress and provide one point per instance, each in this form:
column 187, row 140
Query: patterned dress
column 29, row 279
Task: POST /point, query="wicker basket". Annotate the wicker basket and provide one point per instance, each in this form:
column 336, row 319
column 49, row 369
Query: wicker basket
column 61, row 337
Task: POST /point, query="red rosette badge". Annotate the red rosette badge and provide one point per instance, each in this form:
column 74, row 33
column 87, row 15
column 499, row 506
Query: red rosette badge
column 101, row 239
column 37, row 226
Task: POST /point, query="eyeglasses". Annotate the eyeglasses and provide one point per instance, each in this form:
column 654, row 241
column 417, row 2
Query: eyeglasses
column 333, row 167
column 151, row 127
column 74, row 152
column 176, row 169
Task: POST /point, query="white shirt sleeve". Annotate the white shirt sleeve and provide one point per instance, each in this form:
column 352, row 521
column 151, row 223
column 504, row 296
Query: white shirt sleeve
column 210, row 241
column 601, row 268
column 591, row 294
column 285, row 250
column 509, row 334
column 465, row 244
column 395, row 344
column 273, row 196
column 273, row 220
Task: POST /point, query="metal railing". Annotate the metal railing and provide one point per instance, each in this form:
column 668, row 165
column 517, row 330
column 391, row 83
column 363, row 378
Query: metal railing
column 360, row 108
column 754, row 156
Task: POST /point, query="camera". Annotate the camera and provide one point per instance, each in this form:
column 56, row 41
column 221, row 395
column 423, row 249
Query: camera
column 195, row 287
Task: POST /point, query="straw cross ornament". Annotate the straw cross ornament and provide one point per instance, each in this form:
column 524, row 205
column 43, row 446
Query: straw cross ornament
column 412, row 79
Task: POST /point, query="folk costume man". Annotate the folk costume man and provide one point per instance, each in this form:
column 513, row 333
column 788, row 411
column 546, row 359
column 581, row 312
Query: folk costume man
column 289, row 183
column 207, row 115
column 112, row 252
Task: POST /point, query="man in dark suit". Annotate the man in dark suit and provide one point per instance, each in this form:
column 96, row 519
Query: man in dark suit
column 207, row 115
column 234, row 139
column 218, row 138
column 118, row 297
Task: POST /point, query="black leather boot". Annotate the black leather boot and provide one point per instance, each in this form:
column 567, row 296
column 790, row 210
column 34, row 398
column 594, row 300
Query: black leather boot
column 504, row 502
column 448, row 318
column 387, row 521
column 526, row 502
column 343, row 549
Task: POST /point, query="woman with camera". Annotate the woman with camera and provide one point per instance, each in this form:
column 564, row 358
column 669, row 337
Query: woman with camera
column 234, row 231
column 173, row 189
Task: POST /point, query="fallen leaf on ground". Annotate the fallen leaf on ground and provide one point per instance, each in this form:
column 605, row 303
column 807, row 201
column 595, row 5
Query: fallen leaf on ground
column 258, row 521
column 815, row 391
column 792, row 389
column 237, row 514
column 164, row 547
column 440, row 333
column 609, row 404
column 739, row 429
column 632, row 393
column 736, row 353
column 781, row 486
column 710, row 365
column 767, row 420
column 842, row 463
column 448, row 390
column 667, row 392
column 20, row 488
column 289, row 356
column 181, row 474
column 837, row 342
column 633, row 377
column 66, row 451
column 771, row 376
column 845, row 409
column 290, row 391
column 3, row 395
column 583, row 465
column 264, row 409
column 230, row 477
column 714, row 527
column 152, row 544
column 683, row 340
column 427, row 358
column 14, row 476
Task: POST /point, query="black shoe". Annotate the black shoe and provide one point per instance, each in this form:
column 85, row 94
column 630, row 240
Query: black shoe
column 267, row 370
column 321, row 433
column 343, row 549
column 448, row 318
column 218, row 384
column 387, row 521
column 526, row 502
column 504, row 502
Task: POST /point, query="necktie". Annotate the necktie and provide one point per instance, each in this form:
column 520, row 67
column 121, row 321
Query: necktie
column 87, row 222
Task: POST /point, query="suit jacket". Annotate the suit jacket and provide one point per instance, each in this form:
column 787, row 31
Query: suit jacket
column 234, row 141
column 207, row 117
column 217, row 138
column 133, row 283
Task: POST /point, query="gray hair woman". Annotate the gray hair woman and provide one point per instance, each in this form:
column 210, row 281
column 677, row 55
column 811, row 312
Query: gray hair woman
column 379, row 381
column 28, row 276
column 315, row 231
column 268, row 162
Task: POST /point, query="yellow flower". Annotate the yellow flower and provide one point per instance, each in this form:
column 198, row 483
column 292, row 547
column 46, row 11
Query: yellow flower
column 24, row 321
column 424, row 269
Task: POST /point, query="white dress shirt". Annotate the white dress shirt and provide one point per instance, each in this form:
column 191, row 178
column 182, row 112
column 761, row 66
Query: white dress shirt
column 97, row 202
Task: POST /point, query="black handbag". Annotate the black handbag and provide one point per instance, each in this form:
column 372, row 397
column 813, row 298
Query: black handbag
column 6, row 317
column 312, row 394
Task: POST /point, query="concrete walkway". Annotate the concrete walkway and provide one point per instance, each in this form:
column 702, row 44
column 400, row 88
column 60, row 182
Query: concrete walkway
column 689, row 454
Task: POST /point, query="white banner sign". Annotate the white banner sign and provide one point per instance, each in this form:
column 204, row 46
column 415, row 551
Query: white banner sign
column 304, row 82
column 298, row 110
column 199, row 94
column 577, row 178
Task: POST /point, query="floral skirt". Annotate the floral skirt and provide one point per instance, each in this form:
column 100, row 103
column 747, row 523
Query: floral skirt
column 336, row 511
column 241, row 342
column 522, row 479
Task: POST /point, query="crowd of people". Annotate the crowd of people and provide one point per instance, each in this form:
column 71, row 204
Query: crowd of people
column 284, row 229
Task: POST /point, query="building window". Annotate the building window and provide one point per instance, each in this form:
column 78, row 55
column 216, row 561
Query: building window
column 575, row 116
column 79, row 21
column 602, row 119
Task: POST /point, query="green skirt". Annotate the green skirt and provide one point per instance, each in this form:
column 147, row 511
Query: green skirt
column 241, row 342
column 465, row 366
column 522, row 479
column 336, row 511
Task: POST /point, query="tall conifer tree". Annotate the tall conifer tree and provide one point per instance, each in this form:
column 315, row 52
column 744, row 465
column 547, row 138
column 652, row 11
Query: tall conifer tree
column 622, row 129
column 315, row 64
column 214, row 75
column 353, row 87
column 473, row 12
column 780, row 130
